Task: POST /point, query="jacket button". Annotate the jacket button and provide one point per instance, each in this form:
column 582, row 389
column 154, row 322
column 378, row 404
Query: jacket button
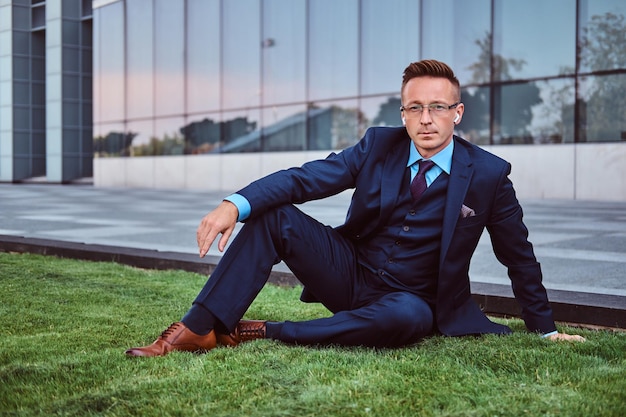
column 405, row 228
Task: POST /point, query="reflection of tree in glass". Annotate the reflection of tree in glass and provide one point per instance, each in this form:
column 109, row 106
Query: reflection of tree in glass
column 512, row 103
column 114, row 144
column 603, row 43
column 168, row 145
column 389, row 113
column 502, row 67
column 206, row 135
column 603, row 108
column 475, row 124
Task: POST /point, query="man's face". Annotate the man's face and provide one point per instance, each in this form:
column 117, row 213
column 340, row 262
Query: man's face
column 430, row 130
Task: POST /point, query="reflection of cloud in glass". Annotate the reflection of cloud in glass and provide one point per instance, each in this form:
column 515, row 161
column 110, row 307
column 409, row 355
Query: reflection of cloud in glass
column 553, row 118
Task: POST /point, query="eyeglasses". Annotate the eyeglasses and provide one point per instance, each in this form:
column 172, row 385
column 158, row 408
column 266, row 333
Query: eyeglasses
column 435, row 109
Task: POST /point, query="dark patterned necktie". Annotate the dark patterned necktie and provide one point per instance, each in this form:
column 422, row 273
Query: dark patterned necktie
column 418, row 185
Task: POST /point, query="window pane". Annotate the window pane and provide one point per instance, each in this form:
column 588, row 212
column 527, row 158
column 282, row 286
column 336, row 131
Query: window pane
column 284, row 51
column 553, row 118
column 389, row 42
column 203, row 56
column 333, row 50
column 534, row 112
column 602, row 108
column 602, row 35
column 380, row 111
column 111, row 139
column 463, row 42
column 140, row 94
column 108, row 68
column 240, row 131
column 142, row 134
column 474, row 126
column 168, row 136
column 333, row 125
column 513, row 114
column 202, row 134
column 284, row 128
column 169, row 57
column 242, row 54
column 534, row 44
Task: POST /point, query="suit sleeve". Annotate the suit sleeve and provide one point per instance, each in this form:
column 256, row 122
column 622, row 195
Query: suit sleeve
column 313, row 180
column 509, row 238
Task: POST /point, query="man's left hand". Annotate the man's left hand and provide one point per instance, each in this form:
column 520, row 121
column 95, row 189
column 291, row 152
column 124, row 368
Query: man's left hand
column 568, row 337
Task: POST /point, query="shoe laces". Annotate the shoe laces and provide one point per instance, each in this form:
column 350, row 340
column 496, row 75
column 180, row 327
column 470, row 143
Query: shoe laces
column 251, row 331
column 171, row 329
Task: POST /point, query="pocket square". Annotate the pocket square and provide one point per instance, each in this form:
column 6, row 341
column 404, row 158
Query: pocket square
column 467, row 212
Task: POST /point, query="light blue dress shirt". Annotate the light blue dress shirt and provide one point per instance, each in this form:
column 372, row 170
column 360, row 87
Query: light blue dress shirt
column 442, row 160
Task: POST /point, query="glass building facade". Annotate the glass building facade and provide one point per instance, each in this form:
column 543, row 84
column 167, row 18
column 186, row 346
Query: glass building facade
column 46, row 90
column 176, row 77
column 181, row 93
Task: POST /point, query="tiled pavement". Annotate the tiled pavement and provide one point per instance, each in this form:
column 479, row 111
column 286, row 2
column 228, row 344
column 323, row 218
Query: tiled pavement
column 580, row 244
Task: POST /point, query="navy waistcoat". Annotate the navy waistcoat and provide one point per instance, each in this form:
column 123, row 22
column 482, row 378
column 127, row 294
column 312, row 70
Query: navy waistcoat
column 404, row 252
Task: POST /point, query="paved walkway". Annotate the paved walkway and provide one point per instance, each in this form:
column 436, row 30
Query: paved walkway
column 580, row 244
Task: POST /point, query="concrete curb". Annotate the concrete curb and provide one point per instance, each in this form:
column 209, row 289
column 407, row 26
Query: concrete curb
column 591, row 309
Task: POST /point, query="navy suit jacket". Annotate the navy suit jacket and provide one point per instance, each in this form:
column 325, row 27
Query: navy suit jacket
column 374, row 167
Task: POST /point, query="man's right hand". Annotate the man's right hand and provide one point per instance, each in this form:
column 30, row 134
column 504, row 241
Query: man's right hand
column 221, row 220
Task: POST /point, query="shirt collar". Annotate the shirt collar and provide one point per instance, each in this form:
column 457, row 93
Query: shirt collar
column 443, row 158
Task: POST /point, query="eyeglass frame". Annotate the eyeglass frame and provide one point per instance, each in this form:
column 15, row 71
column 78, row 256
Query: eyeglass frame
column 419, row 108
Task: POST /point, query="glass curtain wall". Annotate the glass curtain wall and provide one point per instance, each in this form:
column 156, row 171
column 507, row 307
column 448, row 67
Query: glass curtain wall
column 202, row 76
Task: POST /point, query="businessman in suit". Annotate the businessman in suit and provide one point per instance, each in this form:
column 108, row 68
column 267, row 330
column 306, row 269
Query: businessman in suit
column 397, row 270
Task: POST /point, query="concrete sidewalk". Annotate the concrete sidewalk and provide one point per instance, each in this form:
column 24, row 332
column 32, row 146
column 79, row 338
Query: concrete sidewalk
column 580, row 244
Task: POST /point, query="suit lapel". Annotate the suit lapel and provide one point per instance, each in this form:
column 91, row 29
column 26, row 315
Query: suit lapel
column 393, row 170
column 460, row 175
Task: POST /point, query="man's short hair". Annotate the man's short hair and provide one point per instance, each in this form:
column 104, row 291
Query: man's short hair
column 430, row 68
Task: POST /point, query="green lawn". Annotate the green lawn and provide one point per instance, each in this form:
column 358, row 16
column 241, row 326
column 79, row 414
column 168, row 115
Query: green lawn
column 66, row 324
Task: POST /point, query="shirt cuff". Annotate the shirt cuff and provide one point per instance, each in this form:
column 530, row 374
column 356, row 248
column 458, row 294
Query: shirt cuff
column 549, row 334
column 242, row 204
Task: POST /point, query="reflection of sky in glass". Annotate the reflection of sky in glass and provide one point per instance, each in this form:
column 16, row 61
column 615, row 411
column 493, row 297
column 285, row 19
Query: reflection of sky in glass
column 256, row 54
column 544, row 38
column 203, row 55
column 169, row 44
column 275, row 114
column 241, row 81
column 168, row 126
column 139, row 56
column 143, row 129
column 451, row 29
column 284, row 57
column 108, row 86
column 389, row 42
column 333, row 49
column 383, row 111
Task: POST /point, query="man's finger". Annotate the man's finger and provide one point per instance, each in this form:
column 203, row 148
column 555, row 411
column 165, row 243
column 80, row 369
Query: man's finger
column 206, row 243
column 221, row 245
column 568, row 337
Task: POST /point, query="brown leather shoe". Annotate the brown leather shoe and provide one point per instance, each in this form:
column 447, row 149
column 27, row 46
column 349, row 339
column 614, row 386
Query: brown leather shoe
column 176, row 337
column 245, row 331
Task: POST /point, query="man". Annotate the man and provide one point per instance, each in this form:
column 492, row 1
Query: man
column 397, row 270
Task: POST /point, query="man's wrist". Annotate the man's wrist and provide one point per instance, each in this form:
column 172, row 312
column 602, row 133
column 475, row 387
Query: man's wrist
column 550, row 334
column 242, row 204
